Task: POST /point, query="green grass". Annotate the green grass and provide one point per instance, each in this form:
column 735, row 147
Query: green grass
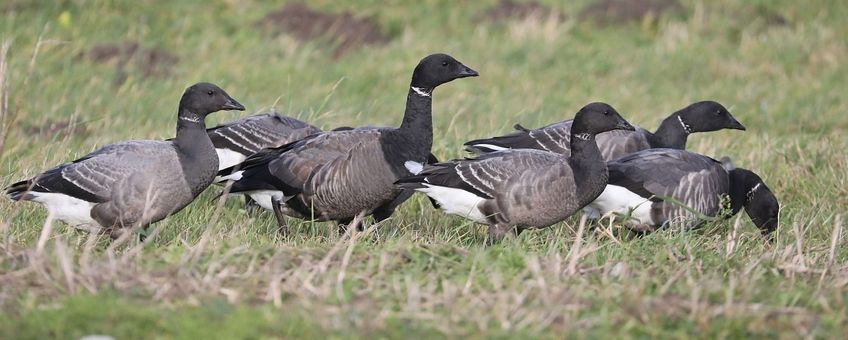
column 216, row 273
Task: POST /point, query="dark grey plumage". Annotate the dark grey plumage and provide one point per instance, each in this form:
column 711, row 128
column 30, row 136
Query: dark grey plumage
column 134, row 182
column 673, row 132
column 641, row 183
column 338, row 175
column 524, row 188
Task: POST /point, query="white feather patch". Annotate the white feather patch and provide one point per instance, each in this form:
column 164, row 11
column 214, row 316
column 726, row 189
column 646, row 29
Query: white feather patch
column 73, row 211
column 264, row 197
column 619, row 199
column 228, row 158
column 414, row 167
column 489, row 146
column 456, row 201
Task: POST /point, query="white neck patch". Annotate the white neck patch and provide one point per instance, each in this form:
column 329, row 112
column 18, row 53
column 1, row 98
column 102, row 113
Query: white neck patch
column 414, row 167
column 750, row 195
column 583, row 136
column 420, row 91
column 194, row 119
column 686, row 128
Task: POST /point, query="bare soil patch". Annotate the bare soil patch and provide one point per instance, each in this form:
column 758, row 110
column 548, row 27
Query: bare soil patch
column 345, row 29
column 150, row 62
column 510, row 10
column 623, row 11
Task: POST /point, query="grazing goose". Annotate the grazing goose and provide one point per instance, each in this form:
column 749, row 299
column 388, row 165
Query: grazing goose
column 640, row 181
column 524, row 187
column 134, row 182
column 338, row 175
column 702, row 116
column 238, row 139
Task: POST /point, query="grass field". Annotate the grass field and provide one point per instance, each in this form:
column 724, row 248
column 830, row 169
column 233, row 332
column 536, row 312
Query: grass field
column 781, row 67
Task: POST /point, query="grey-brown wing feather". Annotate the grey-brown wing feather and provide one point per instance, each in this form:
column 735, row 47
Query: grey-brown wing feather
column 554, row 137
column 617, row 143
column 250, row 134
column 529, row 187
column 339, row 173
column 694, row 180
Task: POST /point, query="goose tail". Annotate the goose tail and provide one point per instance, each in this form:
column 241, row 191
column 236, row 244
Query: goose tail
column 19, row 190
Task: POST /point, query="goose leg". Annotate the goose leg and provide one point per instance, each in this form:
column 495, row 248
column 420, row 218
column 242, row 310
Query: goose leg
column 250, row 206
column 343, row 224
column 282, row 228
column 142, row 235
column 497, row 232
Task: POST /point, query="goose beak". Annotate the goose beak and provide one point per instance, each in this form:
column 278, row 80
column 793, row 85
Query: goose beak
column 232, row 104
column 736, row 125
column 467, row 72
column 624, row 125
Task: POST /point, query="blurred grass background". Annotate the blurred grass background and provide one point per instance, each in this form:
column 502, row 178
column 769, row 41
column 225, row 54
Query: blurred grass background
column 82, row 74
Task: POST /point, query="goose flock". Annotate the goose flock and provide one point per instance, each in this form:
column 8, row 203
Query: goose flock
column 596, row 162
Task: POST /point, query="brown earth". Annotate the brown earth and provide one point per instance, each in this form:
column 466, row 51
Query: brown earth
column 149, row 61
column 344, row 29
column 622, row 11
column 510, row 10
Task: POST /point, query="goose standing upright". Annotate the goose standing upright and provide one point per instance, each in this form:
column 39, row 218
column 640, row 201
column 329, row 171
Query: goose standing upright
column 338, row 175
column 134, row 182
column 704, row 116
column 524, row 188
column 640, row 182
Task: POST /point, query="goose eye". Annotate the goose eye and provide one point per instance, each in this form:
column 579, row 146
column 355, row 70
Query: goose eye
column 444, row 63
column 718, row 113
column 606, row 113
column 210, row 93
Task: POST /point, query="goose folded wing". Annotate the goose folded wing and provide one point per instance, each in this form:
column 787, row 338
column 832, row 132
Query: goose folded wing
column 555, row 137
column 92, row 177
column 621, row 142
column 662, row 172
column 332, row 159
column 482, row 175
column 249, row 135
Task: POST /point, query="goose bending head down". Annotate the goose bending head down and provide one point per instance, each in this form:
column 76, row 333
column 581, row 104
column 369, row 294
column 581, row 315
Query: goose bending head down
column 134, row 182
column 657, row 187
column 524, row 188
column 673, row 132
column 337, row 175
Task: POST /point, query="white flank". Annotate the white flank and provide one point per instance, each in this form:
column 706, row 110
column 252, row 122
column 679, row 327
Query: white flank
column 228, row 158
column 488, row 146
column 264, row 197
column 414, row 167
column 456, row 201
column 619, row 199
column 73, row 211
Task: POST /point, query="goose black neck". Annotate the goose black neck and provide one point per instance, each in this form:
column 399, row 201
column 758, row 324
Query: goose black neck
column 584, row 148
column 190, row 126
column 419, row 110
column 197, row 155
column 672, row 133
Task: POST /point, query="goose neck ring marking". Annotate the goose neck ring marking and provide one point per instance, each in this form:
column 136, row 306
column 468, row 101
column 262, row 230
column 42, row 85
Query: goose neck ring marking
column 583, row 136
column 686, row 128
column 190, row 119
column 421, row 91
column 750, row 195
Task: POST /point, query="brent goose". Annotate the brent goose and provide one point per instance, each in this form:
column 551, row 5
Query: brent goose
column 702, row 116
column 524, row 188
column 134, row 182
column 338, row 175
column 641, row 183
